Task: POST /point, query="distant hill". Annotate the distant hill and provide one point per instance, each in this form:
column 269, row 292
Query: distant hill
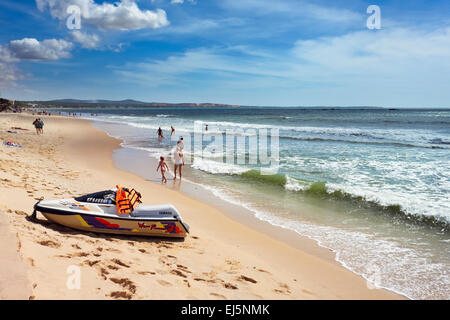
column 75, row 103
column 125, row 102
column 130, row 103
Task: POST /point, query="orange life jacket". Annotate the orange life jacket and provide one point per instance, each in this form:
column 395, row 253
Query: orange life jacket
column 126, row 200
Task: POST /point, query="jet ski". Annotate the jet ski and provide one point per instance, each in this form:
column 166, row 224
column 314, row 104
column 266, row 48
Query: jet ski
column 117, row 211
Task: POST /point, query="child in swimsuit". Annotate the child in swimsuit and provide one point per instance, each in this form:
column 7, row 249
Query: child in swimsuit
column 164, row 167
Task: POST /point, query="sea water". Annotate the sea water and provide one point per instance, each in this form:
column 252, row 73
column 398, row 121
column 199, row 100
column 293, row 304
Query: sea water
column 373, row 185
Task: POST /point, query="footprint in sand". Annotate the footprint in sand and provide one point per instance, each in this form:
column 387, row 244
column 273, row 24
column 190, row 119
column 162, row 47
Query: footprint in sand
column 81, row 254
column 183, row 268
column 284, row 289
column 103, row 273
column 164, row 283
column 230, row 286
column 111, row 267
column 20, row 213
column 125, row 283
column 178, row 273
column 307, row 292
column 168, row 260
column 120, row 263
column 161, row 272
column 91, row 263
column 218, row 295
column 144, row 273
column 49, row 243
column 165, row 246
column 264, row 271
column 247, row 279
column 120, row 295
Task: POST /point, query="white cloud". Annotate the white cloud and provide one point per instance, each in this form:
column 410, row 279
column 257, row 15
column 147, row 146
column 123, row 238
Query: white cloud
column 88, row 41
column 401, row 67
column 9, row 73
column 182, row 1
column 122, row 15
column 32, row 49
column 379, row 53
column 28, row 49
column 217, row 64
column 304, row 9
column 6, row 56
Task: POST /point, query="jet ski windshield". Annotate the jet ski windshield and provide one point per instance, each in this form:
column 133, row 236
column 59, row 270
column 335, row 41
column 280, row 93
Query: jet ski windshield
column 105, row 197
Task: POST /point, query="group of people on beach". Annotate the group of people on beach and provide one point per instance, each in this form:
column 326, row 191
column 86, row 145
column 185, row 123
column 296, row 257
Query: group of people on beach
column 38, row 123
column 178, row 157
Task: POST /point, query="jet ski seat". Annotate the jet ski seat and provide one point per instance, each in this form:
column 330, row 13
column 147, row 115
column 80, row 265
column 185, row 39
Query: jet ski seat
column 103, row 197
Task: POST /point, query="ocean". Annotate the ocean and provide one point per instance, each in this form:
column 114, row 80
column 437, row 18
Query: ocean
column 370, row 184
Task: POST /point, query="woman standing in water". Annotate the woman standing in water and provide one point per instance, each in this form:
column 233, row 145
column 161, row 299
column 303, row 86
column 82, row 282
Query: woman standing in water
column 160, row 133
column 179, row 162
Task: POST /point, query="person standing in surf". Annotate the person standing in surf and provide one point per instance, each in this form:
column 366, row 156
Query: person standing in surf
column 173, row 130
column 179, row 163
column 160, row 133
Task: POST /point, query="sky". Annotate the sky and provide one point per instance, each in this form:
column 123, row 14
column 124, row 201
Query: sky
column 243, row 52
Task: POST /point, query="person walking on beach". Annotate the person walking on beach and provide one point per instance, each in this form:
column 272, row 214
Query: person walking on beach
column 164, row 167
column 42, row 126
column 179, row 163
column 37, row 124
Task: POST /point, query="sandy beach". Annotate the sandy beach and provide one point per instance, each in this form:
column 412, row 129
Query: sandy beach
column 220, row 259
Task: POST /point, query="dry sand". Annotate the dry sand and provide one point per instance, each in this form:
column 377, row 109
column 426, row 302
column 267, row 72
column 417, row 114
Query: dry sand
column 220, row 259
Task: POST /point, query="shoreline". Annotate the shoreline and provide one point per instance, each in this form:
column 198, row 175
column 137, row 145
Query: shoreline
column 82, row 151
column 234, row 211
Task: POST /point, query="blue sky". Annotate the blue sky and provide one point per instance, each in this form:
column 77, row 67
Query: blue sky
column 247, row 52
